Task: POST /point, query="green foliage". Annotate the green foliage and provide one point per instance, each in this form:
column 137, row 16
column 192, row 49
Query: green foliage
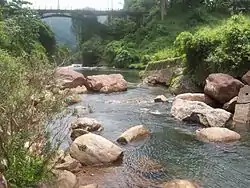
column 224, row 48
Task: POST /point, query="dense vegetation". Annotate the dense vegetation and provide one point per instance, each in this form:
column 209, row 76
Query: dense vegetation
column 27, row 48
column 129, row 42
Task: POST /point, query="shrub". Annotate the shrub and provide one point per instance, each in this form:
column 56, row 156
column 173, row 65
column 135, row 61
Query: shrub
column 224, row 48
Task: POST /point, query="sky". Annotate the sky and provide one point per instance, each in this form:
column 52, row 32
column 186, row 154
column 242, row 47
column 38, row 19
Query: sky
column 77, row 4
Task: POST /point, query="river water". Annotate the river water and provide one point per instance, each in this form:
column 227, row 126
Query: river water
column 172, row 143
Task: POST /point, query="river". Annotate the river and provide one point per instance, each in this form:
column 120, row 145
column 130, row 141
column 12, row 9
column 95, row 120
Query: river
column 172, row 143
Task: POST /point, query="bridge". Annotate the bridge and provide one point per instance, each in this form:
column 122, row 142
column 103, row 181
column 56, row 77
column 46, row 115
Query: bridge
column 46, row 13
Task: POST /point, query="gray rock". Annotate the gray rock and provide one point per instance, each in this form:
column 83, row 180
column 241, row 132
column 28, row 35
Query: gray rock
column 199, row 112
column 160, row 98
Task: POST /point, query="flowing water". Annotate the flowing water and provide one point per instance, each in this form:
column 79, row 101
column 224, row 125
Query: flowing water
column 172, row 150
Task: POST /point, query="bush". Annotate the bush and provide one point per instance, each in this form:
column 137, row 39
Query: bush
column 224, row 48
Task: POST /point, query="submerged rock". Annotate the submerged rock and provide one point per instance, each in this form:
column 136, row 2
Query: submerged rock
column 92, row 149
column 160, row 98
column 197, row 97
column 178, row 183
column 81, row 111
column 217, row 134
column 222, row 87
column 106, row 83
column 79, row 90
column 133, row 134
column 68, row 78
column 199, row 112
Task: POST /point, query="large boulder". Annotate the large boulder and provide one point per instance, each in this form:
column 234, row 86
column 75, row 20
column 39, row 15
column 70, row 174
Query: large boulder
column 133, row 134
column 162, row 77
column 106, row 83
column 68, row 78
column 246, row 78
column 217, row 134
column 197, row 97
column 199, row 112
column 222, row 87
column 178, row 183
column 92, row 149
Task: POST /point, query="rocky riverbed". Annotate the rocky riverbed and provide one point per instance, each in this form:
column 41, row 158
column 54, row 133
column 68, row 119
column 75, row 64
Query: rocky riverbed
column 171, row 151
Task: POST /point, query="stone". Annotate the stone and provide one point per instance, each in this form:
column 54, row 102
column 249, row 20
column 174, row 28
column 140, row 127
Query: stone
column 132, row 134
column 73, row 99
column 92, row 149
column 242, row 108
column 246, row 78
column 162, row 77
column 106, row 83
column 222, row 87
column 217, row 134
column 178, row 183
column 81, row 111
column 160, row 98
column 201, row 113
column 88, row 124
column 65, row 179
column 230, row 106
column 183, row 84
column 68, row 78
column 77, row 132
column 89, row 186
column 79, row 90
column 69, row 164
column 197, row 97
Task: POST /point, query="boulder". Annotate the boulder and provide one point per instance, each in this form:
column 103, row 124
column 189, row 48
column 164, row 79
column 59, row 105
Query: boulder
column 162, row 77
column 178, row 183
column 217, row 134
column 160, row 98
column 89, row 186
column 230, row 106
column 199, row 112
column 68, row 78
column 77, row 132
column 65, row 179
column 133, row 134
column 222, row 87
column 92, row 149
column 197, row 97
column 183, row 84
column 246, row 78
column 69, row 164
column 79, row 90
column 87, row 124
column 106, row 83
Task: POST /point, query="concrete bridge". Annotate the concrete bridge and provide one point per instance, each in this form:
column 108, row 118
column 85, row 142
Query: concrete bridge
column 46, row 13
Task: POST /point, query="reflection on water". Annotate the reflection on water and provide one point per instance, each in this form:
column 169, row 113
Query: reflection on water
column 172, row 150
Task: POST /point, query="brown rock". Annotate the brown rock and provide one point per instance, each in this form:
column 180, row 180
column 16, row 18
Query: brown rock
column 68, row 78
column 88, row 124
column 106, row 83
column 75, row 133
column 89, row 186
column 199, row 112
column 65, row 179
column 92, row 149
column 79, row 90
column 222, row 87
column 163, row 77
column 181, row 184
column 230, row 106
column 133, row 134
column 246, row 78
column 217, row 134
column 197, row 97
column 68, row 164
